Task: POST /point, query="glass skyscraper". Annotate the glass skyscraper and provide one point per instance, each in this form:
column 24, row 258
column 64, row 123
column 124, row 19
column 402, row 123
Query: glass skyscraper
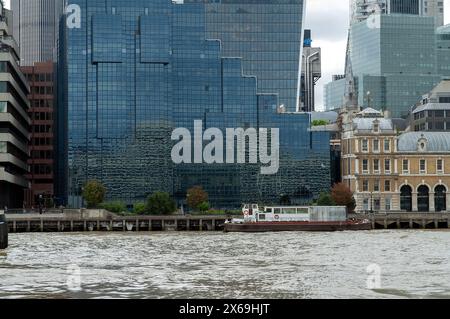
column 396, row 58
column 133, row 71
column 35, row 27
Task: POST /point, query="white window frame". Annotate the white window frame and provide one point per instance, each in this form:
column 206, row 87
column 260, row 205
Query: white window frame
column 365, row 171
column 376, row 171
column 388, row 171
column 388, row 204
column 365, row 142
column 422, row 171
column 442, row 170
column 376, row 142
column 405, row 171
column 389, row 146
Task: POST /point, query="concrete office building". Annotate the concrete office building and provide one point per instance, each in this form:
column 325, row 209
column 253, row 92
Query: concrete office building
column 14, row 120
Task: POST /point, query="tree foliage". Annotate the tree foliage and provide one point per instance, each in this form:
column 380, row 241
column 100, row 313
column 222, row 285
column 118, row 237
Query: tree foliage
column 160, row 203
column 196, row 196
column 343, row 196
column 94, row 193
column 325, row 199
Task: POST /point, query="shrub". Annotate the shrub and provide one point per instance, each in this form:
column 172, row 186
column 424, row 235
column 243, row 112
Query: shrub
column 203, row 207
column 160, row 204
column 140, row 208
column 325, row 199
column 114, row 207
column 94, row 193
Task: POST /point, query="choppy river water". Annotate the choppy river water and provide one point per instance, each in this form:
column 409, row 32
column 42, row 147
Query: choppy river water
column 411, row 264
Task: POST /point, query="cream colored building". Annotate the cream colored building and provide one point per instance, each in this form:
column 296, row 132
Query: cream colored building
column 388, row 171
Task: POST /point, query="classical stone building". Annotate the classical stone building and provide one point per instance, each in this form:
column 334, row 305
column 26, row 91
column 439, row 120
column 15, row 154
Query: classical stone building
column 389, row 171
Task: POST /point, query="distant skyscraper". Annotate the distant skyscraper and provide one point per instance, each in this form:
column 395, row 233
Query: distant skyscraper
column 361, row 9
column 35, row 26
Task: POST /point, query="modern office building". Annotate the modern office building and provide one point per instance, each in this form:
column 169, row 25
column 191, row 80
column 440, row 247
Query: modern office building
column 395, row 61
column 14, row 120
column 360, row 10
column 432, row 113
column 267, row 35
column 311, row 73
column 133, row 71
column 41, row 162
column 334, row 93
column 35, row 27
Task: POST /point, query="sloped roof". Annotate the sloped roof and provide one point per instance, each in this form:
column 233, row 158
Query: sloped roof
column 366, row 124
column 436, row 141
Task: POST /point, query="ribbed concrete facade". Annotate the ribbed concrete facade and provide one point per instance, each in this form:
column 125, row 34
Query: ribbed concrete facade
column 35, row 27
column 14, row 121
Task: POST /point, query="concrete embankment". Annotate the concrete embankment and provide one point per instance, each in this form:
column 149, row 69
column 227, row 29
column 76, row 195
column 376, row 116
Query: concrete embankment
column 3, row 231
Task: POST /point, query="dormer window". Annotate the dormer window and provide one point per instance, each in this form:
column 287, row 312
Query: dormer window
column 376, row 126
column 422, row 144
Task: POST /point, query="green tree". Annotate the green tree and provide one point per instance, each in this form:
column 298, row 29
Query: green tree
column 114, row 207
column 196, row 196
column 204, row 207
column 94, row 193
column 140, row 208
column 160, row 203
column 325, row 199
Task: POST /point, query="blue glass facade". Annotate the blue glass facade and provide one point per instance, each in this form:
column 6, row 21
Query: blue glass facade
column 136, row 70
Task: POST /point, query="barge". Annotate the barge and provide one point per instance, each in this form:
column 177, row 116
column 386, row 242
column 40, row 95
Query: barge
column 279, row 219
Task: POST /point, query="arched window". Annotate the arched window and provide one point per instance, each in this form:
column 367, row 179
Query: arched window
column 423, row 199
column 440, row 198
column 406, row 198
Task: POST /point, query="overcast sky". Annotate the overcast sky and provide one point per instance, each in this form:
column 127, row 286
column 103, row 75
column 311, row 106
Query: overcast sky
column 328, row 20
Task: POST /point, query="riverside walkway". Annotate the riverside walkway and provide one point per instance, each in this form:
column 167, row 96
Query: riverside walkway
column 99, row 220
column 407, row 220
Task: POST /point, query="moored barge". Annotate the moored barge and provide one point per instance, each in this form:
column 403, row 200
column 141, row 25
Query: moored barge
column 279, row 219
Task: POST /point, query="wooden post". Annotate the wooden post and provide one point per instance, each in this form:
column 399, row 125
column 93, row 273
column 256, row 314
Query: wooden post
column 424, row 224
column 59, row 226
column 436, row 224
column 85, row 225
column 137, row 224
column 111, row 225
column 398, row 224
column 98, row 225
column 163, row 225
column 213, row 225
column 385, row 224
column 201, row 224
column 42, row 225
column 14, row 226
column 124, row 226
column 28, row 226
column 71, row 225
column 188, row 224
column 150, row 224
column 411, row 225
column 176, row 224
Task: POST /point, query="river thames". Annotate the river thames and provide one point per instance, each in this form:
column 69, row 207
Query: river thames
column 412, row 264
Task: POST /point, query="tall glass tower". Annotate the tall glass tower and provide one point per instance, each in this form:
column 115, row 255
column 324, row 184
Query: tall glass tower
column 35, row 27
column 133, row 71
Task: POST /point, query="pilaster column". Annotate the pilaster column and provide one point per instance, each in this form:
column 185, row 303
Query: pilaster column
column 415, row 207
column 432, row 208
